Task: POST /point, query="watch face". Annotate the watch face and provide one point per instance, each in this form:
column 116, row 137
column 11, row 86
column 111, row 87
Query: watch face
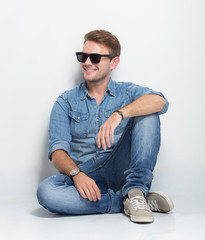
column 74, row 172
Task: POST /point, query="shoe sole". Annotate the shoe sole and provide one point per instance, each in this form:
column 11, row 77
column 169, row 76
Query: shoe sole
column 140, row 219
column 156, row 196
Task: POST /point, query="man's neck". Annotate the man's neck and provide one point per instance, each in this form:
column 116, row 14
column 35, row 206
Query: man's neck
column 97, row 89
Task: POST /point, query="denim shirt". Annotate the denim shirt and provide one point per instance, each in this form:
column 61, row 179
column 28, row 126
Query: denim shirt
column 76, row 118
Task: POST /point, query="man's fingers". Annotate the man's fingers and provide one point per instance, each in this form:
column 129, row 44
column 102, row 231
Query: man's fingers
column 106, row 133
column 82, row 193
column 88, row 194
column 101, row 139
column 90, row 191
column 98, row 138
column 112, row 137
column 92, row 194
column 105, row 138
column 97, row 191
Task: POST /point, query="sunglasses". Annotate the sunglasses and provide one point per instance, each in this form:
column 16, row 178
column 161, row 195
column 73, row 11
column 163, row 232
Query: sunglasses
column 94, row 57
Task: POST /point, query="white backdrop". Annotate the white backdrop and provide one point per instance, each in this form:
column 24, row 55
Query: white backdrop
column 162, row 47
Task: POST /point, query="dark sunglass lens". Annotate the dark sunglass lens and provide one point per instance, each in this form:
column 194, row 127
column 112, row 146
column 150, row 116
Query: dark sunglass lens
column 95, row 58
column 82, row 57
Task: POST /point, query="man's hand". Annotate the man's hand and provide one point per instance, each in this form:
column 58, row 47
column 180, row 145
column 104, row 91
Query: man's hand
column 106, row 133
column 87, row 187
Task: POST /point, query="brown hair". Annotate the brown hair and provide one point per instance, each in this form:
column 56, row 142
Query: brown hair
column 105, row 38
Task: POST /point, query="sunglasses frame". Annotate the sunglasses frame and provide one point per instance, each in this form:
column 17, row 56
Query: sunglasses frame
column 94, row 55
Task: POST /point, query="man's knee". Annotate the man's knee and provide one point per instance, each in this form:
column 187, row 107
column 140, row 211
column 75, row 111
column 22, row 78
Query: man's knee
column 148, row 120
column 146, row 136
column 49, row 191
column 44, row 193
column 146, row 126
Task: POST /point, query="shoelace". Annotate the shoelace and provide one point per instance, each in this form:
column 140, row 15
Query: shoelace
column 153, row 205
column 139, row 203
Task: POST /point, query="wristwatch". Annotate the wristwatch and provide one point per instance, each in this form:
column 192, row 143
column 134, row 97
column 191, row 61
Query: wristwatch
column 74, row 172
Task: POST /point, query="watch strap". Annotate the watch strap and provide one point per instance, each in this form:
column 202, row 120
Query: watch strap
column 120, row 113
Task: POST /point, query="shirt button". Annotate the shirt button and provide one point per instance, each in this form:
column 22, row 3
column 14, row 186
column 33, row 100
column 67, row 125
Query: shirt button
column 78, row 117
column 97, row 119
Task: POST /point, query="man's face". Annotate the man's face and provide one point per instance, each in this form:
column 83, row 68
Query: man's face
column 96, row 72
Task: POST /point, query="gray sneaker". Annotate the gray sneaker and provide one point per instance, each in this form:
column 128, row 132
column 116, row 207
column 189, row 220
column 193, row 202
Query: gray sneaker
column 136, row 207
column 159, row 202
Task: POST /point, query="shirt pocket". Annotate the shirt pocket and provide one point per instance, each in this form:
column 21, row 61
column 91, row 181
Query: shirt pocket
column 79, row 124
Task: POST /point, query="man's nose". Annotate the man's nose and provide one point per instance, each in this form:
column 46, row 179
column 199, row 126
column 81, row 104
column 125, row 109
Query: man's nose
column 88, row 62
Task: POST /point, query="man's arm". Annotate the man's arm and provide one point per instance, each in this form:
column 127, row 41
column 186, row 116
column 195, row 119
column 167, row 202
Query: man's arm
column 144, row 105
column 84, row 184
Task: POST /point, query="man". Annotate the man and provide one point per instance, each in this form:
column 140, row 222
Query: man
column 104, row 140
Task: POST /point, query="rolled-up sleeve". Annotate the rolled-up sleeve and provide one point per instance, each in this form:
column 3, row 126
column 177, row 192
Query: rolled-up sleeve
column 59, row 128
column 136, row 91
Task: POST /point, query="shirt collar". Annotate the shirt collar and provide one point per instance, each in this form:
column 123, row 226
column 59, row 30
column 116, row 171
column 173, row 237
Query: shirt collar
column 111, row 87
column 84, row 91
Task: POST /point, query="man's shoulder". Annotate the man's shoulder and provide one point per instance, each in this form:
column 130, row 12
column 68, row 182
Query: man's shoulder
column 124, row 85
column 72, row 93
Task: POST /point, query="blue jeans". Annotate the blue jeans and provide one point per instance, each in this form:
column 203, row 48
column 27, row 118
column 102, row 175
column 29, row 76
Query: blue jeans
column 129, row 165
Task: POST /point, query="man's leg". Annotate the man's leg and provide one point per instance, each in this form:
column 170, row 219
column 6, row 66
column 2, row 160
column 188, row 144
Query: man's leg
column 129, row 167
column 58, row 195
column 145, row 144
column 135, row 154
column 132, row 161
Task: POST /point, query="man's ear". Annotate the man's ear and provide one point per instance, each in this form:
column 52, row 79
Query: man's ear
column 114, row 62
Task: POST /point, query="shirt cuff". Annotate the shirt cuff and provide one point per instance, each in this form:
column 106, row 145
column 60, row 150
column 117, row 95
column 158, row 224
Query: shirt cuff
column 165, row 108
column 59, row 145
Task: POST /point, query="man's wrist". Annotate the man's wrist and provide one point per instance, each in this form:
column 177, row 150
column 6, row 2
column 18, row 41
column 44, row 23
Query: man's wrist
column 120, row 113
column 75, row 172
column 76, row 176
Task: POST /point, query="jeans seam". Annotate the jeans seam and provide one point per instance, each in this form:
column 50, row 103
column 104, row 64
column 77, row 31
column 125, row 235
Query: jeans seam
column 105, row 177
column 130, row 188
column 111, row 204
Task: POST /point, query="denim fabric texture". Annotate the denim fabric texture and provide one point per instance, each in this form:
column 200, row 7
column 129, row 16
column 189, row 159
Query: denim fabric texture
column 76, row 118
column 75, row 121
column 128, row 166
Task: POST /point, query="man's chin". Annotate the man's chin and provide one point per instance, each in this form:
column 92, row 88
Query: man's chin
column 94, row 79
column 90, row 78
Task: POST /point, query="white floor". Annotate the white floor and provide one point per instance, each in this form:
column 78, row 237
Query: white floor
column 22, row 218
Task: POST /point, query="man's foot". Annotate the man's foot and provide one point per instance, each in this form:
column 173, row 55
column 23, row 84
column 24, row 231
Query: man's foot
column 159, row 202
column 136, row 207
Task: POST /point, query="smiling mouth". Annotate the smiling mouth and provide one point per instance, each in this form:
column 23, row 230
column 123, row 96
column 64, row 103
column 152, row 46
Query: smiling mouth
column 90, row 69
